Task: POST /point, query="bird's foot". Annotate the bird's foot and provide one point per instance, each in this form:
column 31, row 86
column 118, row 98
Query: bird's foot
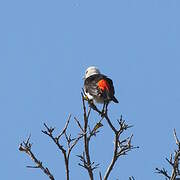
column 104, row 110
column 92, row 105
column 103, row 113
column 85, row 98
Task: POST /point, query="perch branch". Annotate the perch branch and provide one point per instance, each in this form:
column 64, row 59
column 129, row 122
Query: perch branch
column 121, row 147
column 87, row 163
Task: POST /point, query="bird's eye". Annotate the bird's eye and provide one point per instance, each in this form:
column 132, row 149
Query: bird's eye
column 86, row 72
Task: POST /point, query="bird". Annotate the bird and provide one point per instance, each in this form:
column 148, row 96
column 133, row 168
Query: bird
column 98, row 87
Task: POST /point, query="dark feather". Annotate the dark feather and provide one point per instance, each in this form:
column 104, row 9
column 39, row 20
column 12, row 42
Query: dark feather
column 91, row 87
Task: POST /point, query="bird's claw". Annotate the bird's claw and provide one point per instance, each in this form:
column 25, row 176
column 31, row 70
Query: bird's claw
column 85, row 98
column 92, row 105
column 103, row 113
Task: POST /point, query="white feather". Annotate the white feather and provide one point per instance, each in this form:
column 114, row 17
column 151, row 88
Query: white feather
column 91, row 71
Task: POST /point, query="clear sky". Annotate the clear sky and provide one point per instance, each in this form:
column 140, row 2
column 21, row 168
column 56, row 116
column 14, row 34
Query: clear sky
column 45, row 47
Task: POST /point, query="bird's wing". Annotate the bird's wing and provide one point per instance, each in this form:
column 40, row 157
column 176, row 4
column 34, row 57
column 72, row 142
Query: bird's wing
column 91, row 86
column 111, row 86
column 101, row 86
column 98, row 85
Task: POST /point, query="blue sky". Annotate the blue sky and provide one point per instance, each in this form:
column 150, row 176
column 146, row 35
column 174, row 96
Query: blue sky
column 46, row 47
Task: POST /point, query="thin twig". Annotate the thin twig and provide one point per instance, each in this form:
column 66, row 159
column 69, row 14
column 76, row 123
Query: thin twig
column 86, row 142
column 100, row 176
column 115, row 157
column 131, row 178
column 26, row 147
column 65, row 128
column 176, row 138
column 163, row 172
column 173, row 162
column 71, row 142
column 79, row 124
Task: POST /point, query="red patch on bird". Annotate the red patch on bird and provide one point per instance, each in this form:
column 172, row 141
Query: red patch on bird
column 103, row 85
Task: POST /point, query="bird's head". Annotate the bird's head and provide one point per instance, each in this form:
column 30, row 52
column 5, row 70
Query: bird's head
column 91, row 71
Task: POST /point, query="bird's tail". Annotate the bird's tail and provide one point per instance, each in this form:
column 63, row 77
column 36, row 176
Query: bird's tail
column 115, row 100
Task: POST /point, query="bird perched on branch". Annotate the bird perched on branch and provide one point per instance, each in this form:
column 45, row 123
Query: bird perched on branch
column 98, row 87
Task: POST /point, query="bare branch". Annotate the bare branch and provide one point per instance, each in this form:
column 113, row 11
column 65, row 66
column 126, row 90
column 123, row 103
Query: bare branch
column 95, row 129
column 65, row 128
column 87, row 161
column 176, row 138
column 75, row 141
column 26, row 147
column 114, row 159
column 131, row 178
column 79, row 124
column 173, row 162
column 71, row 142
column 121, row 147
column 100, row 176
column 163, row 172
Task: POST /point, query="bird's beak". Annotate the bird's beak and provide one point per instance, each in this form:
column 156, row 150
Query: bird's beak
column 83, row 78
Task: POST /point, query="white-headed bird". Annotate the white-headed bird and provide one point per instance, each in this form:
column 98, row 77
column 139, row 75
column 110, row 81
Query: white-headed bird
column 98, row 87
